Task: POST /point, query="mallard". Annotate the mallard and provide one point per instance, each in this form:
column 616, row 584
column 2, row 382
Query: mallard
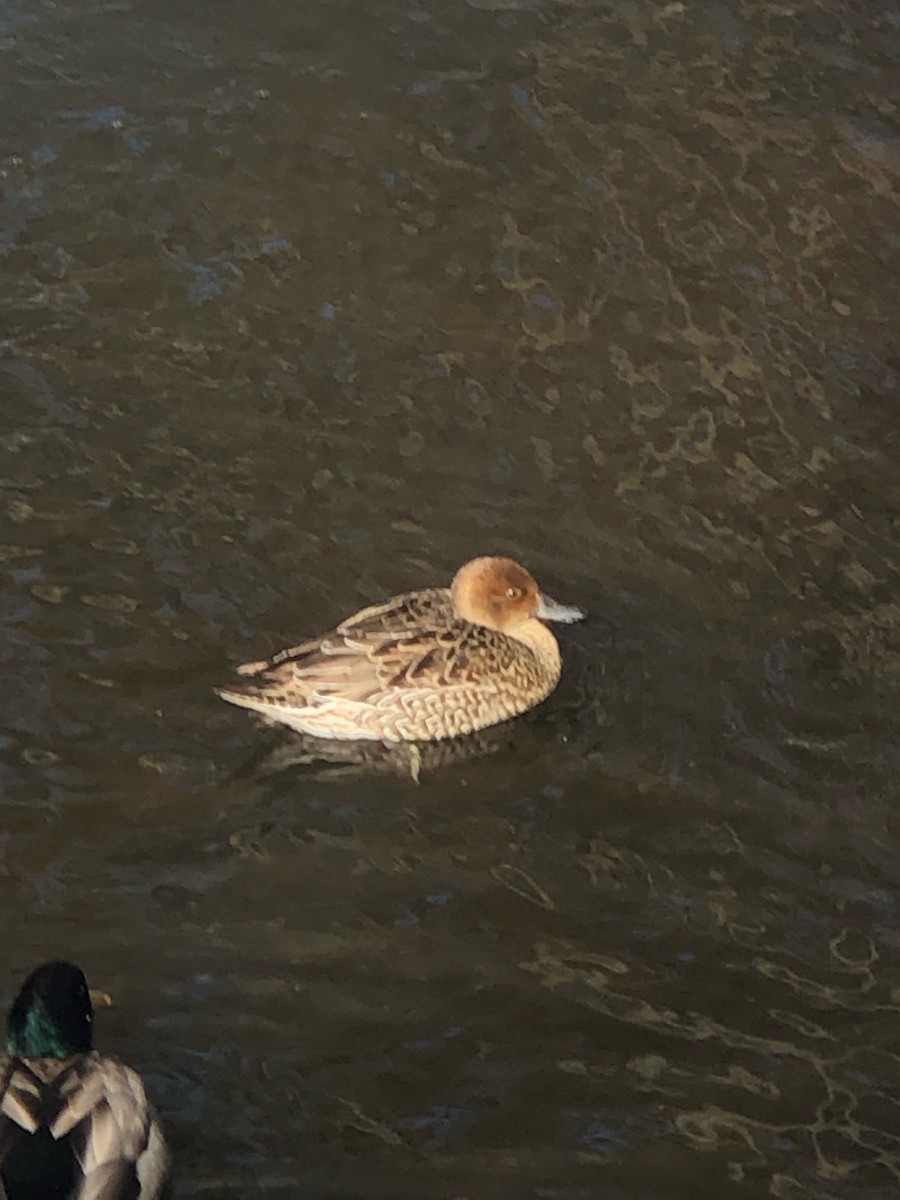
column 422, row 666
column 74, row 1124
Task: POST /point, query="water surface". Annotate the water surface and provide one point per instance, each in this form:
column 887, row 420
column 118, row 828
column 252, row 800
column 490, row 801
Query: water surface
column 306, row 304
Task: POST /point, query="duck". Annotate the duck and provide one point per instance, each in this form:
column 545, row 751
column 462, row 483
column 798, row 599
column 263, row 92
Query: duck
column 74, row 1124
column 422, row 666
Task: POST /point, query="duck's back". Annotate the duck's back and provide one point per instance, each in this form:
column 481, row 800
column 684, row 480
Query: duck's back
column 74, row 1127
column 33, row 1164
column 428, row 610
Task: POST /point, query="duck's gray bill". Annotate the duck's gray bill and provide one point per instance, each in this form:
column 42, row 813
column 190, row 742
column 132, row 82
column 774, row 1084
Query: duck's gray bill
column 549, row 609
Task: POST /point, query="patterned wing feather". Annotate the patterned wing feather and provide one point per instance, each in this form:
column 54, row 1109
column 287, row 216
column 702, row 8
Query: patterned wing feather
column 431, row 608
column 119, row 1143
column 363, row 666
column 367, row 654
column 408, row 614
column 20, row 1100
column 97, row 1106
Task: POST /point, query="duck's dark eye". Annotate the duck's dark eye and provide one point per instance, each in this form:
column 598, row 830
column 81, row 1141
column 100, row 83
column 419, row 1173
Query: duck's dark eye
column 514, row 593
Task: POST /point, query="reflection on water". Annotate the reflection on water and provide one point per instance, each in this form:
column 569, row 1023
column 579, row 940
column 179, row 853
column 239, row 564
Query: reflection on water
column 302, row 307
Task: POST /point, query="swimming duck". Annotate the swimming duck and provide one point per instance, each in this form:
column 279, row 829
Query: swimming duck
column 422, row 666
column 74, row 1124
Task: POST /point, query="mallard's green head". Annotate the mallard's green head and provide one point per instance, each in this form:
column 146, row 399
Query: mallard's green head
column 52, row 1016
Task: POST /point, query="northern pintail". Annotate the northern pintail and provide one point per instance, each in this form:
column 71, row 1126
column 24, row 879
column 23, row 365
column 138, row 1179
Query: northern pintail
column 421, row 666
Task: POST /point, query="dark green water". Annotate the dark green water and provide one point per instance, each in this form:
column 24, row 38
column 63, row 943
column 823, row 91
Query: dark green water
column 304, row 304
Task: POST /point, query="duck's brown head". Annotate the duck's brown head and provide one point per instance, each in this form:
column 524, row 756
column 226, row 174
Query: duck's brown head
column 501, row 594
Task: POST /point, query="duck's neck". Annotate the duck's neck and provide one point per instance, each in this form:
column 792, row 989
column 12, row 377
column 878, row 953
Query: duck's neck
column 538, row 638
column 38, row 1037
